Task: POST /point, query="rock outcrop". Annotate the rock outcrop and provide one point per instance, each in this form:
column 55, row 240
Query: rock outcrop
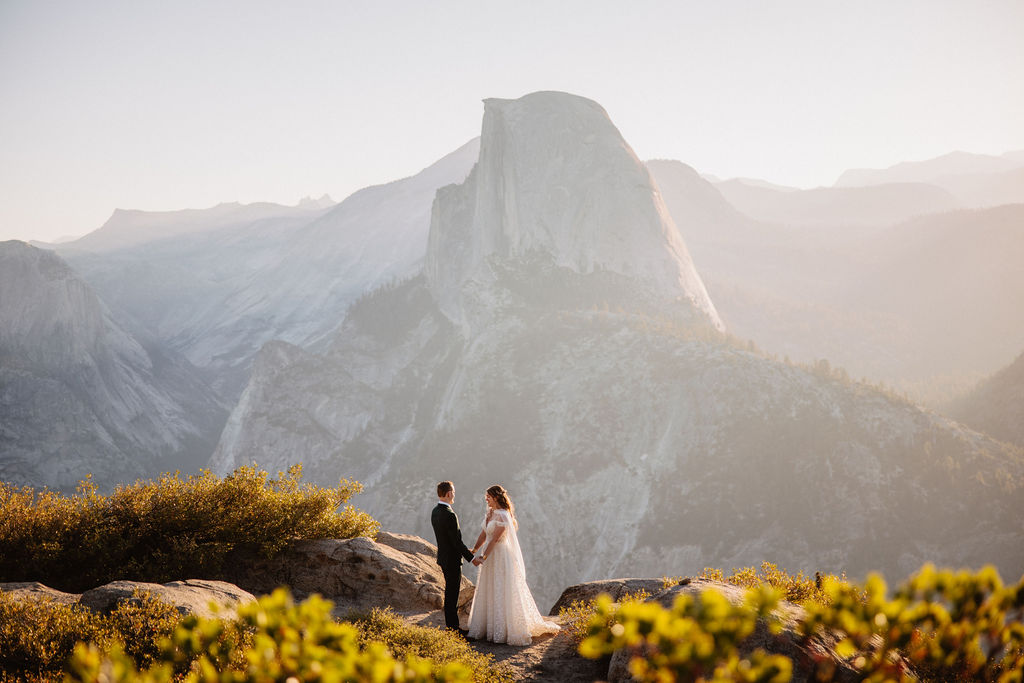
column 396, row 571
column 192, row 596
column 33, row 590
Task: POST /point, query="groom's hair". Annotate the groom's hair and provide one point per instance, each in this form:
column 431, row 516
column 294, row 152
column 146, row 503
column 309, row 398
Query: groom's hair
column 444, row 488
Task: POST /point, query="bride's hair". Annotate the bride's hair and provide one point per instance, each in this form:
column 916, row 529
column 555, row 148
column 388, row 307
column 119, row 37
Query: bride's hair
column 500, row 495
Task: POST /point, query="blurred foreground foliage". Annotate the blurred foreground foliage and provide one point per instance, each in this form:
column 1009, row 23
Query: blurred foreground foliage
column 164, row 530
column 281, row 641
column 272, row 640
column 38, row 635
column 577, row 616
column 939, row 626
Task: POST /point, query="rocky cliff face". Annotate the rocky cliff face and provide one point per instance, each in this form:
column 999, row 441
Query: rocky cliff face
column 594, row 383
column 80, row 395
column 556, row 179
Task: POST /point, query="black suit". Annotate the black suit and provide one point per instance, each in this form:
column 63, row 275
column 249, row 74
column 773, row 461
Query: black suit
column 450, row 551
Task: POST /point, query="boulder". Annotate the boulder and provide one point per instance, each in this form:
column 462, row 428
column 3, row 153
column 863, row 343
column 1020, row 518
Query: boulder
column 616, row 588
column 35, row 590
column 787, row 642
column 193, row 596
column 396, row 571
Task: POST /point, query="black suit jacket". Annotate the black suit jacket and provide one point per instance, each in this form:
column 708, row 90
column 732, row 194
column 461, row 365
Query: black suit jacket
column 450, row 548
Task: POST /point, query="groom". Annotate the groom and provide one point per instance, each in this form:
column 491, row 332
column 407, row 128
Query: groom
column 450, row 551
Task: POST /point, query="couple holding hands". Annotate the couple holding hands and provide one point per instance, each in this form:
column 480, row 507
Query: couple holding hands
column 503, row 609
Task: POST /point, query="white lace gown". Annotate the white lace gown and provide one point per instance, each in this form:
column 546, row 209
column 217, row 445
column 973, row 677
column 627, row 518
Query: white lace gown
column 503, row 609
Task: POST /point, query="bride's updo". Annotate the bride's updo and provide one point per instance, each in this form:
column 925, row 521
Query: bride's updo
column 500, row 496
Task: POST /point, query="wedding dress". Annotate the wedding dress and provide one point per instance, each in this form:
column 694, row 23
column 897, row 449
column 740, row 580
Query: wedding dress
column 503, row 609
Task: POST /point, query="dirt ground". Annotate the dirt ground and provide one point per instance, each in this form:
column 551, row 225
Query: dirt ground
column 550, row 659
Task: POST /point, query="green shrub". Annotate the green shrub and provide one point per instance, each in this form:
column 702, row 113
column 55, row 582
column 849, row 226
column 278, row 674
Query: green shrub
column 38, row 635
column 441, row 646
column 286, row 641
column 164, row 530
column 940, row 627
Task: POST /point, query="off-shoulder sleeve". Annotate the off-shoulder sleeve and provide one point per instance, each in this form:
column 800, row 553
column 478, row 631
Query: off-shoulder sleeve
column 503, row 519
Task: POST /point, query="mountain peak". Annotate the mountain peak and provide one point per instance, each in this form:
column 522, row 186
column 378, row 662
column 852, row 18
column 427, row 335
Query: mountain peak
column 555, row 177
column 310, row 203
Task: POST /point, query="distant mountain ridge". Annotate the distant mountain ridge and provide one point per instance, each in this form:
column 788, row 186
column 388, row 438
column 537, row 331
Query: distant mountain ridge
column 930, row 170
column 127, row 227
column 221, row 286
column 976, row 180
column 875, row 205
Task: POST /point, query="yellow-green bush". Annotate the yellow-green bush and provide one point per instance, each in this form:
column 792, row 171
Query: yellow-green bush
column 696, row 640
column 38, row 635
column 285, row 641
column 168, row 529
column 798, row 588
column 943, row 625
column 441, row 646
column 940, row 626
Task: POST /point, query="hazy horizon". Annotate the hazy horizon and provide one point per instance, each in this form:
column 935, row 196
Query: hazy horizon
column 122, row 105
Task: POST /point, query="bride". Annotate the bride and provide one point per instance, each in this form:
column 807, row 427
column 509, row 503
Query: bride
column 503, row 609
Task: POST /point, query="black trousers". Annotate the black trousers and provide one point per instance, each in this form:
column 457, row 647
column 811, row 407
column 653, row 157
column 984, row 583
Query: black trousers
column 452, row 581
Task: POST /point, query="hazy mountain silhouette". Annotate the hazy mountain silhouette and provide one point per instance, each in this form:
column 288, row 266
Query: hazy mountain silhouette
column 127, row 227
column 875, row 205
column 865, row 298
column 218, row 284
column 996, row 405
column 930, row 170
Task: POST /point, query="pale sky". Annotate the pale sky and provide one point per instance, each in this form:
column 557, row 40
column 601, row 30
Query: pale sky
column 170, row 105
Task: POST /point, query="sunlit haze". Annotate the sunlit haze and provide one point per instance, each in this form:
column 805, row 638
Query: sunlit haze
column 163, row 106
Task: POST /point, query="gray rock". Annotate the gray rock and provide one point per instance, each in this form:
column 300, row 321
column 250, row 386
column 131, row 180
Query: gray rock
column 193, row 596
column 34, row 590
column 399, row 571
